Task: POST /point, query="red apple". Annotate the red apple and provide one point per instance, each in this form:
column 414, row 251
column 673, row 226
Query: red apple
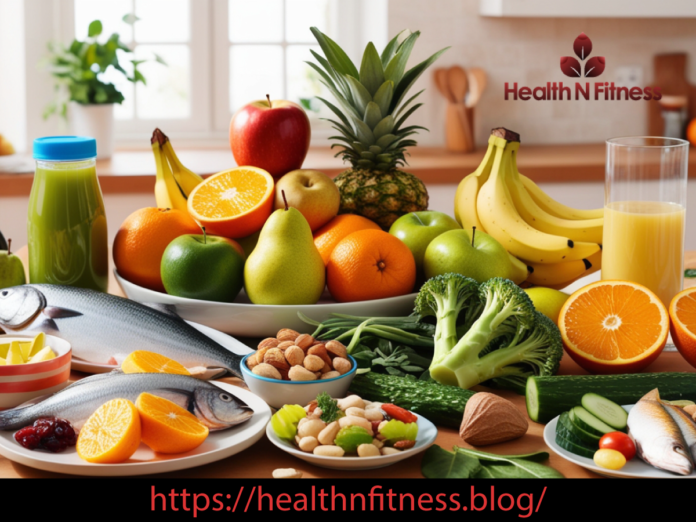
column 272, row 135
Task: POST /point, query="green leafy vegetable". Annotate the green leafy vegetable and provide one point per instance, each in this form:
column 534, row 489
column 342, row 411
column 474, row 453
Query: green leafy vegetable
column 469, row 463
column 385, row 357
column 690, row 272
column 329, row 407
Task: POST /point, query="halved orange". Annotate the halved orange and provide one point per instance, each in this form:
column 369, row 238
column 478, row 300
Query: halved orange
column 234, row 203
column 682, row 311
column 167, row 427
column 111, row 434
column 614, row 327
column 142, row 361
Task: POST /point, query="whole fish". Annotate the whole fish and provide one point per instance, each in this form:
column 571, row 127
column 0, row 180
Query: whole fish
column 686, row 424
column 105, row 329
column 214, row 407
column 658, row 439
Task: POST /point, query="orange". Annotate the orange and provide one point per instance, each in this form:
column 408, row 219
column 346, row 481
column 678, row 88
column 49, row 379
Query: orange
column 142, row 239
column 111, row 434
column 142, row 361
column 614, row 327
column 370, row 264
column 234, row 203
column 691, row 132
column 167, row 427
column 682, row 311
column 328, row 236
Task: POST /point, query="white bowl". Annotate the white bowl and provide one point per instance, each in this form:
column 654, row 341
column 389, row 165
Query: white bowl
column 427, row 433
column 244, row 319
column 279, row 393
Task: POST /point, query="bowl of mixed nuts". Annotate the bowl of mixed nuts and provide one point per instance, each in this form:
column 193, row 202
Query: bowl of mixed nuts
column 294, row 368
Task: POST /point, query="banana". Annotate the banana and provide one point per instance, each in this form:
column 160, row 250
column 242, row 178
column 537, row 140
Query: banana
column 589, row 230
column 519, row 272
column 185, row 178
column 555, row 208
column 560, row 275
column 167, row 191
column 497, row 213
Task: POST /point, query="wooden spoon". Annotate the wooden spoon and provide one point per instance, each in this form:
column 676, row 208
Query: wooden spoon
column 458, row 86
column 477, row 84
column 442, row 84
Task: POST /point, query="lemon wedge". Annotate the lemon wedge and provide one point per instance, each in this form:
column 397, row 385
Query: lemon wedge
column 14, row 355
column 37, row 344
column 4, row 348
column 45, row 354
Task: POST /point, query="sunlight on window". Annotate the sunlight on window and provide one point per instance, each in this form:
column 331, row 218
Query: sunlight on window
column 256, row 22
column 300, row 15
column 255, row 70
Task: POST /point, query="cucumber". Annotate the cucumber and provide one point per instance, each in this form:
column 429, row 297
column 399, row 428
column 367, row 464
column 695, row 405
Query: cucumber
column 549, row 396
column 568, row 431
column 442, row 405
column 605, row 410
column 587, row 437
column 574, row 448
column 588, row 422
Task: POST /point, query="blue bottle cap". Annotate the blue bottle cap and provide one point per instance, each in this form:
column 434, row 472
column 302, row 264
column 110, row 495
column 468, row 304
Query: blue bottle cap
column 65, row 148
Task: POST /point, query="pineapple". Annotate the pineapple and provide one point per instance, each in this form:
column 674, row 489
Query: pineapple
column 373, row 135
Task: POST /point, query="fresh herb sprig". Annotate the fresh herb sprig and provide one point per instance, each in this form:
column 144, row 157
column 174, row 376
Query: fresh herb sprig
column 329, row 408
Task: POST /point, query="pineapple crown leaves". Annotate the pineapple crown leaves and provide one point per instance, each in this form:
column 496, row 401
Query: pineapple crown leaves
column 371, row 115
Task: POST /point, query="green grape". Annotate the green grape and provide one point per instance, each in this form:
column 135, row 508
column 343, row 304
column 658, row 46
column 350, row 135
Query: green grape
column 284, row 421
column 395, row 430
column 350, row 437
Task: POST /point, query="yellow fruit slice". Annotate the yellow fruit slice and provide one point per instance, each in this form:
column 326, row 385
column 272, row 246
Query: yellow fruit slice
column 4, row 348
column 37, row 344
column 111, row 434
column 25, row 348
column 14, row 355
column 142, row 361
column 46, row 354
column 167, row 427
column 2, row 362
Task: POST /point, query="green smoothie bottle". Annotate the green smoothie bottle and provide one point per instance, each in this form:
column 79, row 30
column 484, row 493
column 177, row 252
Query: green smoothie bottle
column 68, row 242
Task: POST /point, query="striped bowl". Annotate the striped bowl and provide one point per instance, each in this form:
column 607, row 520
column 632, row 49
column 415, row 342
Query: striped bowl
column 23, row 382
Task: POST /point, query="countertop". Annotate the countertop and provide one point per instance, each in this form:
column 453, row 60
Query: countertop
column 132, row 171
column 262, row 458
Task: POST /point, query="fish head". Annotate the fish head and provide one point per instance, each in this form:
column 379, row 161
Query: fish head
column 219, row 409
column 675, row 458
column 19, row 305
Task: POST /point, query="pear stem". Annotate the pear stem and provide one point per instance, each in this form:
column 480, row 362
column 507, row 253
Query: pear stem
column 205, row 236
column 284, row 199
column 9, row 246
column 473, row 235
column 268, row 97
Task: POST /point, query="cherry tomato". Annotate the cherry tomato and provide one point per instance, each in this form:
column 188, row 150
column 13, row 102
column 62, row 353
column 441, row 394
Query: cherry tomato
column 609, row 459
column 620, row 442
column 398, row 413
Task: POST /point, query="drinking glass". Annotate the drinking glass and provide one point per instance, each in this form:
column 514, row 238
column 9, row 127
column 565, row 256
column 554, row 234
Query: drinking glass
column 644, row 213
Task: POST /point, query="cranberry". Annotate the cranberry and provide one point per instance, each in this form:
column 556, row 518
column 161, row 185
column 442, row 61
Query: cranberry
column 49, row 433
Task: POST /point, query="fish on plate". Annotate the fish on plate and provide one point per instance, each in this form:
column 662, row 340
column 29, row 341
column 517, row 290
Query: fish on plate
column 105, row 329
column 660, row 439
column 214, row 407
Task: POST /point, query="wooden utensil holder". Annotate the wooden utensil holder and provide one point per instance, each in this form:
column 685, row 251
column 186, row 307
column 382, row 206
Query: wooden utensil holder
column 457, row 139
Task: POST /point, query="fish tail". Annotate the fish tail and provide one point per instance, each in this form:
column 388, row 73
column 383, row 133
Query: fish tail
column 11, row 419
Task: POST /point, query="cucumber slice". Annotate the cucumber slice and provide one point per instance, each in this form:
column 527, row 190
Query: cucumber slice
column 588, row 422
column 585, row 436
column 605, row 410
column 562, row 432
column 574, row 448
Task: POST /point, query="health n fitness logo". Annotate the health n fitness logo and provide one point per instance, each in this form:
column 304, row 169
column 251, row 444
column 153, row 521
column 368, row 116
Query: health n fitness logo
column 584, row 68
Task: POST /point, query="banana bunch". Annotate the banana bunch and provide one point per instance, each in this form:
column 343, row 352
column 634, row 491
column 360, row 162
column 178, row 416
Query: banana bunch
column 173, row 182
column 557, row 244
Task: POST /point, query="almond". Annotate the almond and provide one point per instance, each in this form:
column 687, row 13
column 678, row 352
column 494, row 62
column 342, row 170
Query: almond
column 313, row 363
column 266, row 370
column 275, row 358
column 489, row 419
column 286, row 344
column 261, row 353
column 337, row 349
column 286, row 334
column 404, row 444
column 252, row 361
column 300, row 373
column 270, row 342
column 342, row 365
column 320, row 351
column 304, row 341
column 294, row 355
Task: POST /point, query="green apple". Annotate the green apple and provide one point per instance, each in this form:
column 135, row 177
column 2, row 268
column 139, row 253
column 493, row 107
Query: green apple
column 548, row 301
column 11, row 268
column 203, row 267
column 418, row 229
column 454, row 251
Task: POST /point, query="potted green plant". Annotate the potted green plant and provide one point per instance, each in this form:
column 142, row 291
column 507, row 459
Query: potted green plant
column 82, row 96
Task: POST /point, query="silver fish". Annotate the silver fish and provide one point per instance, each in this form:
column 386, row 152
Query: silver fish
column 686, row 424
column 659, row 441
column 105, row 329
column 213, row 406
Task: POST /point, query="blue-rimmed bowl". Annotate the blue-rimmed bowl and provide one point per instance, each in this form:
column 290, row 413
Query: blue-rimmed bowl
column 279, row 393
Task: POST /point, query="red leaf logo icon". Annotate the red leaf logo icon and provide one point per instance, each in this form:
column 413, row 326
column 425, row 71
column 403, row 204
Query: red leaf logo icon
column 571, row 67
column 594, row 66
column 582, row 46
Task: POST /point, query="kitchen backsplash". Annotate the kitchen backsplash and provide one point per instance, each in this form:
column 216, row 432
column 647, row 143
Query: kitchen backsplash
column 528, row 51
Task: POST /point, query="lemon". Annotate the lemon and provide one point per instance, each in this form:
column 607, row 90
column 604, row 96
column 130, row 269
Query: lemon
column 547, row 300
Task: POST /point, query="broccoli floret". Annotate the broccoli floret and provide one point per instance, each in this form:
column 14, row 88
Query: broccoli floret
column 446, row 297
column 507, row 312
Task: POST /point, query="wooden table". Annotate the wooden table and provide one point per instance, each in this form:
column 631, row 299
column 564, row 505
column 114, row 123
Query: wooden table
column 262, row 458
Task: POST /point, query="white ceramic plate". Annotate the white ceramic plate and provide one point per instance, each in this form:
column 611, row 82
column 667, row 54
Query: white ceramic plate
column 244, row 319
column 427, row 433
column 635, row 468
column 218, row 445
column 225, row 340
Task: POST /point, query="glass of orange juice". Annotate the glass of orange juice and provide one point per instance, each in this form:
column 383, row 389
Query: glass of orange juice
column 644, row 213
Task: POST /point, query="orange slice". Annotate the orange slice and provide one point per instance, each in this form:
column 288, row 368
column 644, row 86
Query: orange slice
column 234, row 203
column 614, row 327
column 111, row 434
column 167, row 427
column 142, row 361
column 682, row 311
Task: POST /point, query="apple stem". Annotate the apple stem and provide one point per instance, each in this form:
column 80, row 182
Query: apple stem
column 9, row 246
column 205, row 236
column 268, row 97
column 419, row 219
column 473, row 235
column 284, row 199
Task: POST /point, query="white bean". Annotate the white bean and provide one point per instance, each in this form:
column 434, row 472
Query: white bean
column 373, row 414
column 352, row 401
column 282, row 473
column 352, row 420
column 329, row 451
column 311, row 428
column 390, row 451
column 358, row 412
column 328, row 434
column 368, row 450
column 308, row 444
column 378, row 443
